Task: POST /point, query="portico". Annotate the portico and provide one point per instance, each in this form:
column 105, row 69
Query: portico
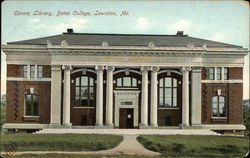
column 116, row 98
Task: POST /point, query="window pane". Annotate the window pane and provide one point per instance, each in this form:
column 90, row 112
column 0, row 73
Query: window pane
column 84, row 81
column 211, row 73
column 168, row 82
column 161, row 92
column 77, row 92
column 78, row 81
column 119, row 82
column 174, row 102
column 168, row 102
column 32, row 71
column 168, row 92
column 225, row 73
column 161, row 82
column 134, row 82
column 161, row 102
column 127, row 81
column 222, row 111
column 218, row 73
column 91, row 91
column 174, row 82
column 174, row 92
column 91, row 81
column 31, row 101
column 84, row 92
column 39, row 71
column 24, row 71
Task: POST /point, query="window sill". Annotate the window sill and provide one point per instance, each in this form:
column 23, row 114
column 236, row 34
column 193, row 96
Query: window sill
column 31, row 118
column 83, row 107
column 219, row 118
column 173, row 108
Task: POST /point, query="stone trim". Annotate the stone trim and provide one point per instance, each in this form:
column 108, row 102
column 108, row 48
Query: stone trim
column 25, row 126
column 28, row 79
column 221, row 81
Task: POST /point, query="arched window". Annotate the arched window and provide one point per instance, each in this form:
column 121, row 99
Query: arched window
column 126, row 82
column 84, row 91
column 168, row 92
column 218, row 106
column 31, row 101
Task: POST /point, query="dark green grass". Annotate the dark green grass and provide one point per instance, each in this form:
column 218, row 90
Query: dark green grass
column 180, row 145
column 59, row 142
column 79, row 156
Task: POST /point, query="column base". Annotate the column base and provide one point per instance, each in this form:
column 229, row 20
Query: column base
column 67, row 125
column 98, row 126
column 143, row 126
column 184, row 125
column 196, row 125
column 153, row 125
column 55, row 125
column 109, row 125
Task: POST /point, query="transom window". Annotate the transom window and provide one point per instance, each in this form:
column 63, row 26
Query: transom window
column 126, row 82
column 218, row 106
column 31, row 101
column 32, row 71
column 39, row 71
column 225, row 73
column 168, row 92
column 211, row 73
column 24, row 71
column 218, row 73
column 84, row 91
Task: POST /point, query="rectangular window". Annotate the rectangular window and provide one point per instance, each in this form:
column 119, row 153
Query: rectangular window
column 32, row 71
column 225, row 73
column 211, row 73
column 218, row 73
column 39, row 71
column 24, row 71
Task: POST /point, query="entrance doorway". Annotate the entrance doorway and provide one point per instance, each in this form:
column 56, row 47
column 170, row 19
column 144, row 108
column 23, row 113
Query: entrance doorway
column 126, row 118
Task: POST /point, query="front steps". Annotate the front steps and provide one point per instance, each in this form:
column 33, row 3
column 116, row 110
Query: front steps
column 130, row 131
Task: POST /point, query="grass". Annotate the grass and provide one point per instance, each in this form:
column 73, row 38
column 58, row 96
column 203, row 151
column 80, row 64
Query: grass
column 58, row 142
column 180, row 145
column 79, row 156
column 3, row 113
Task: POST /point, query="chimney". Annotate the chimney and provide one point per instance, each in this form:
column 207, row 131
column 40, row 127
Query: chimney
column 69, row 30
column 179, row 33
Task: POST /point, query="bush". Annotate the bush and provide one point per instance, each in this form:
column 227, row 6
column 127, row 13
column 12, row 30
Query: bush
column 178, row 147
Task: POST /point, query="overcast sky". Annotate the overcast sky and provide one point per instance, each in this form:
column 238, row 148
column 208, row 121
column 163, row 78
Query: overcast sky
column 224, row 21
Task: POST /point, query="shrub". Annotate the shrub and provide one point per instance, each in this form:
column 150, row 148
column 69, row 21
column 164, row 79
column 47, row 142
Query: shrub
column 178, row 147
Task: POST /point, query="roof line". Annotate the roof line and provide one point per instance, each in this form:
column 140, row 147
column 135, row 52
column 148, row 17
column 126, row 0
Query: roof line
column 119, row 34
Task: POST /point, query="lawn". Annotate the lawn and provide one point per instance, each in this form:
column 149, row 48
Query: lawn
column 58, row 142
column 79, row 156
column 180, row 145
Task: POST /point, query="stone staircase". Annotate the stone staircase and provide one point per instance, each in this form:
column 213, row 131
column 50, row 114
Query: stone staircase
column 130, row 131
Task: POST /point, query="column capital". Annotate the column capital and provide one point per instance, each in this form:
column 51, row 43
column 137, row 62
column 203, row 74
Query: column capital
column 186, row 68
column 99, row 67
column 110, row 68
column 56, row 68
column 67, row 67
column 155, row 68
column 145, row 68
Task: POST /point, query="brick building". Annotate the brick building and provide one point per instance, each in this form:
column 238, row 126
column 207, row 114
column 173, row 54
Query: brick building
column 80, row 80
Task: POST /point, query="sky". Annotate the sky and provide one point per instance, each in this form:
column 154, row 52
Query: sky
column 224, row 21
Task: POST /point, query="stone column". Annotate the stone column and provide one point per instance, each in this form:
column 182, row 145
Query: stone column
column 144, row 97
column 99, row 96
column 55, row 105
column 196, row 97
column 185, row 96
column 66, row 97
column 154, row 107
column 109, row 97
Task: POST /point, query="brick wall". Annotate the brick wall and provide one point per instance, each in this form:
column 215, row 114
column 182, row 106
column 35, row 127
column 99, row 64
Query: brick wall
column 233, row 94
column 15, row 101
